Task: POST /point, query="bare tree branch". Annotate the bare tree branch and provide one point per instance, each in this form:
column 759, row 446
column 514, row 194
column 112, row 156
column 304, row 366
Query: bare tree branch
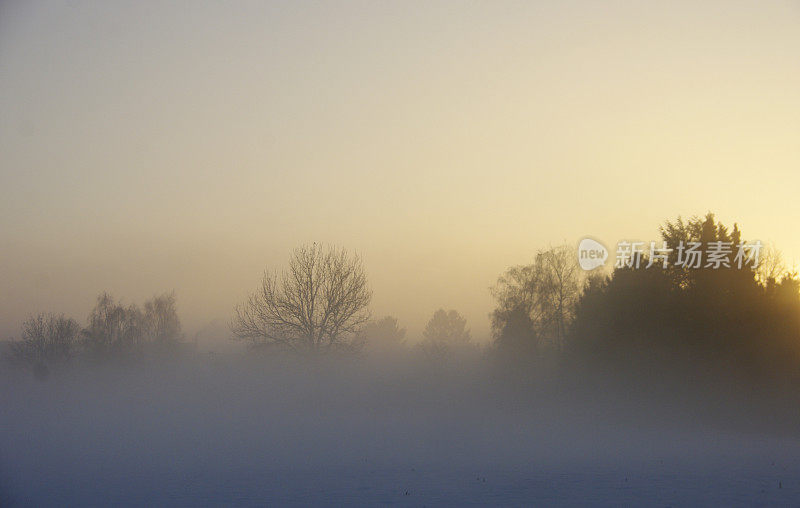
column 318, row 303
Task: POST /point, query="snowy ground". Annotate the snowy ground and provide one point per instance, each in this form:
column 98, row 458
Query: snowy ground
column 235, row 435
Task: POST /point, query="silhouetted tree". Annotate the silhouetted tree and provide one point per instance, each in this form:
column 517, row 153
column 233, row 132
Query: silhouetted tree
column 383, row 334
column 535, row 302
column 693, row 318
column 319, row 304
column 445, row 331
column 560, row 287
column 115, row 329
column 515, row 336
column 46, row 339
column 161, row 319
column 517, row 298
column 771, row 266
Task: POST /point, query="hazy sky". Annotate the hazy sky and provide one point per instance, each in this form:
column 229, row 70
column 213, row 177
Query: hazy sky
column 146, row 147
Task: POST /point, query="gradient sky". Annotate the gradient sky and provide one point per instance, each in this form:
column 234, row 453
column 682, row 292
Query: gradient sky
column 146, row 147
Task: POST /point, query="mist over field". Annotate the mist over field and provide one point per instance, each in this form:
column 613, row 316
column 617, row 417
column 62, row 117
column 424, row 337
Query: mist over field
column 653, row 384
column 416, row 253
column 247, row 431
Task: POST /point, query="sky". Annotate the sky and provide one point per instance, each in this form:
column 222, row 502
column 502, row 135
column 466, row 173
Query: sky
column 189, row 146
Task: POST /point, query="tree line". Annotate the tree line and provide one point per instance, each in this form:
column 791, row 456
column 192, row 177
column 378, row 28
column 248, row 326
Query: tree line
column 668, row 318
column 702, row 323
column 112, row 330
column 320, row 303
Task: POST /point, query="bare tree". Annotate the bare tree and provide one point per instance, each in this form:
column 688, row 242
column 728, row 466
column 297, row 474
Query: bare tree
column 161, row 319
column 560, row 285
column 115, row 329
column 770, row 265
column 46, row 339
column 536, row 302
column 318, row 304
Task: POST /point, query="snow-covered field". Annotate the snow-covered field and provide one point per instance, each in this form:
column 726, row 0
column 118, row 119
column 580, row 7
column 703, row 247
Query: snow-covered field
column 341, row 433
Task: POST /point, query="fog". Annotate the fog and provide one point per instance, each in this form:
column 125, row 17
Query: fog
column 293, row 253
column 244, row 429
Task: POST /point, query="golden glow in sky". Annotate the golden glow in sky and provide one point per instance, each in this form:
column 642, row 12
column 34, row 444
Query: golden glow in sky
column 148, row 148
